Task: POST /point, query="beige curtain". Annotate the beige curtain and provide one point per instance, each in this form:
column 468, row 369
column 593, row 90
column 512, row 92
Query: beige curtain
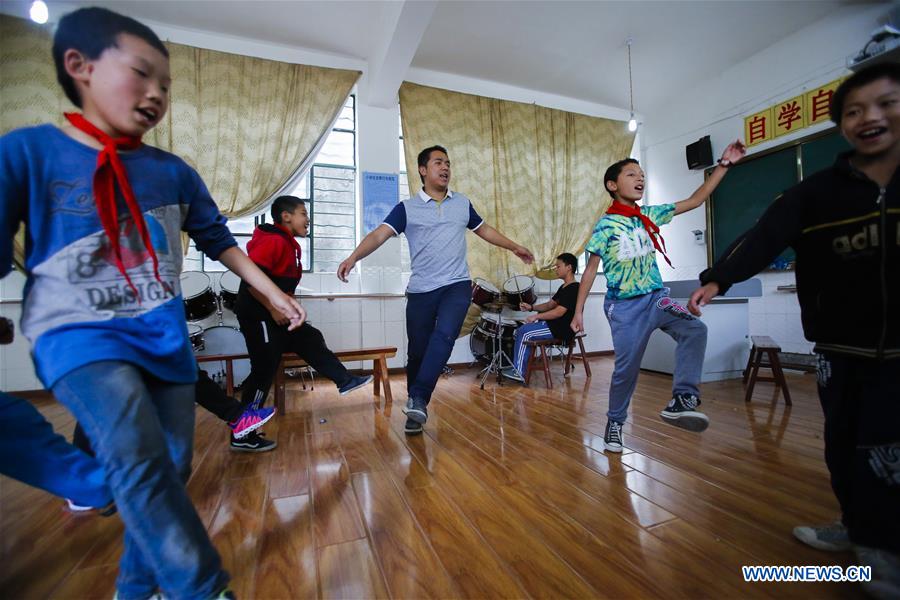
column 246, row 124
column 534, row 173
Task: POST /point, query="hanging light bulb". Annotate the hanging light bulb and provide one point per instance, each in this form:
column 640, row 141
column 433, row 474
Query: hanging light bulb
column 39, row 13
column 632, row 122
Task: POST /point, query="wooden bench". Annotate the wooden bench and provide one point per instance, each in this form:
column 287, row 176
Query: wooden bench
column 763, row 345
column 378, row 356
column 540, row 347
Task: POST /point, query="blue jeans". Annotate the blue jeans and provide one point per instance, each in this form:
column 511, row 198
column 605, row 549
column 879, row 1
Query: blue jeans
column 632, row 320
column 33, row 453
column 141, row 430
column 528, row 332
column 433, row 321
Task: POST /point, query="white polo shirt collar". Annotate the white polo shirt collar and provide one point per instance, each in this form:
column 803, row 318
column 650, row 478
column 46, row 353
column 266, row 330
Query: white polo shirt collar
column 426, row 198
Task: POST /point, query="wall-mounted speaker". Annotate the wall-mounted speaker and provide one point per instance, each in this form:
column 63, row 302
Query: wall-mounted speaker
column 699, row 154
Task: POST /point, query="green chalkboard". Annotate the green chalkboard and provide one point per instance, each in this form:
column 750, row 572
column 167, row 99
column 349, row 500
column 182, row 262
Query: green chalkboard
column 820, row 153
column 754, row 183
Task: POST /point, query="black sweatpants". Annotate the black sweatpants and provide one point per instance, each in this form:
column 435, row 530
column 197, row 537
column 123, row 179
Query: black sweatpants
column 214, row 399
column 861, row 402
column 267, row 341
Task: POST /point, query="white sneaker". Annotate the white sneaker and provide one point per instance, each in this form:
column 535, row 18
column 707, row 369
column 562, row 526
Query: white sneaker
column 77, row 507
column 830, row 538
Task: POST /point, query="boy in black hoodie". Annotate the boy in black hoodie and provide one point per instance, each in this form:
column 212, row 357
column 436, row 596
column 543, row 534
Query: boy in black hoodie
column 275, row 251
column 844, row 224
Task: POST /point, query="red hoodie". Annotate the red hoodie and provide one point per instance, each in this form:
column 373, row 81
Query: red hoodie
column 277, row 253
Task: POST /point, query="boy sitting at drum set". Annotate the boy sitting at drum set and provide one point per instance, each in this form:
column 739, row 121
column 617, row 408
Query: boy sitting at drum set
column 552, row 319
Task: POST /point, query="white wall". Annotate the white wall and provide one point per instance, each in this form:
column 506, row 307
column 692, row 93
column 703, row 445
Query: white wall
column 346, row 323
column 810, row 57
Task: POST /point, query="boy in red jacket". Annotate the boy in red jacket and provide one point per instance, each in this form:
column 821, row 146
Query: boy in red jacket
column 276, row 252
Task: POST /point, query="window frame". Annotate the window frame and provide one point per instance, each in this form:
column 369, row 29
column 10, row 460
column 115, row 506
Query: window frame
column 308, row 197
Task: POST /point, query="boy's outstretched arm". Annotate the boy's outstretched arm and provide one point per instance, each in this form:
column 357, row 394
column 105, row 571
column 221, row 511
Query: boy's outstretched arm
column 239, row 263
column 732, row 154
column 584, row 288
column 492, row 236
column 751, row 252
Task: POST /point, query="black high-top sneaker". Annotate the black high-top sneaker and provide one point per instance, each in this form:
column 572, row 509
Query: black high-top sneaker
column 682, row 412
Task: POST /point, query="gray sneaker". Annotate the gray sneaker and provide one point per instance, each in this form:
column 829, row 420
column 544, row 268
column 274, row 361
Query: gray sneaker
column 354, row 383
column 830, row 538
column 412, row 427
column 511, row 373
column 885, row 565
column 416, row 410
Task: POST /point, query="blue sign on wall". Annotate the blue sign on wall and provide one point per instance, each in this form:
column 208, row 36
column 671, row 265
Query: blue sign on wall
column 381, row 191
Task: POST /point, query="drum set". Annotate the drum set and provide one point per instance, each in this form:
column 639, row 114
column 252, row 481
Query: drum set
column 212, row 326
column 492, row 338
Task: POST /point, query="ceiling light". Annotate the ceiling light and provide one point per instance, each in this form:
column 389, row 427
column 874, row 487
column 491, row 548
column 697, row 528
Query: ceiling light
column 39, row 12
column 632, row 122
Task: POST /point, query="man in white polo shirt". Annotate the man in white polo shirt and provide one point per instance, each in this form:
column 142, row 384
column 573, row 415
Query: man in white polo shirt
column 435, row 222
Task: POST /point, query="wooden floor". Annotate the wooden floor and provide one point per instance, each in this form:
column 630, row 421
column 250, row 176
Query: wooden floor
column 508, row 494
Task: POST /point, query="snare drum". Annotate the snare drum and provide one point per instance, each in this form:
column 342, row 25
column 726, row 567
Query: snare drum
column 199, row 299
column 484, row 292
column 228, row 289
column 222, row 339
column 481, row 344
column 195, row 333
column 518, row 289
column 493, row 323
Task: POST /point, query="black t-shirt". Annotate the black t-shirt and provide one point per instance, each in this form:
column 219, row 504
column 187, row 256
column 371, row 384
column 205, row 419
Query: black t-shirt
column 566, row 296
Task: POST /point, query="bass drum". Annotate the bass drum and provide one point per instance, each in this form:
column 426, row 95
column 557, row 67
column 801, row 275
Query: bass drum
column 222, row 339
column 481, row 344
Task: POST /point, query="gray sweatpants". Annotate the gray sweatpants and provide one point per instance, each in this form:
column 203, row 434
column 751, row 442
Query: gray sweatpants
column 632, row 320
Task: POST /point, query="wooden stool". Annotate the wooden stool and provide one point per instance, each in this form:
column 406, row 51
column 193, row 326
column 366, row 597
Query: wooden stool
column 583, row 356
column 539, row 353
column 764, row 345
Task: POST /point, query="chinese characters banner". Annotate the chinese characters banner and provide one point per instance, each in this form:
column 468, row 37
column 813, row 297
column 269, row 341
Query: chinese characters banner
column 790, row 115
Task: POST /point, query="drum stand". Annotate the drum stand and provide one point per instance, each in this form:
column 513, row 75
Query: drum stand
column 219, row 312
column 496, row 364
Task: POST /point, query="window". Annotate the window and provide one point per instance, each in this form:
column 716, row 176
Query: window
column 329, row 189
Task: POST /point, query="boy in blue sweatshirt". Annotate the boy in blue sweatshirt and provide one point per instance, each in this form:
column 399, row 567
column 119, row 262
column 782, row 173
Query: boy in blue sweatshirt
column 103, row 307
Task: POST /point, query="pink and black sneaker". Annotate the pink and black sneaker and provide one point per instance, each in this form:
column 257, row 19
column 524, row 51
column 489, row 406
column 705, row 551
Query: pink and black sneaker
column 251, row 420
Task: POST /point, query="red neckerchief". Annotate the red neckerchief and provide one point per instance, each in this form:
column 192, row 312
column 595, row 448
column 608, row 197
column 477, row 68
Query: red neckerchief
column 110, row 171
column 617, row 208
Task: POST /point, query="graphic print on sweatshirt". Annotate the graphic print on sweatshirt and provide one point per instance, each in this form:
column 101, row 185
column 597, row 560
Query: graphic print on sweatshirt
column 81, row 282
column 625, row 247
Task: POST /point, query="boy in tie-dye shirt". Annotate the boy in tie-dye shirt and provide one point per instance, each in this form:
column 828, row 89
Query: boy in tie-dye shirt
column 626, row 239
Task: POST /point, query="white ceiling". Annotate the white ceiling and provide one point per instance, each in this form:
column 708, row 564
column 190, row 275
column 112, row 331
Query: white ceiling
column 574, row 49
column 578, row 49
